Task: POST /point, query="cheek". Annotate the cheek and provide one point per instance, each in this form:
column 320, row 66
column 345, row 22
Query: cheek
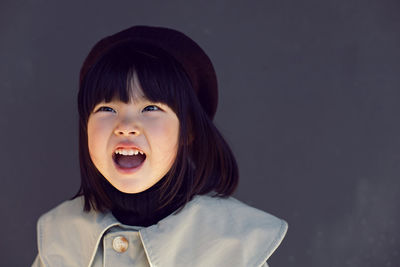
column 165, row 137
column 91, row 140
column 96, row 137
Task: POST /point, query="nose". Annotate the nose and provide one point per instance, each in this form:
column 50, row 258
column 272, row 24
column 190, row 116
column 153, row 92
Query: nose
column 127, row 128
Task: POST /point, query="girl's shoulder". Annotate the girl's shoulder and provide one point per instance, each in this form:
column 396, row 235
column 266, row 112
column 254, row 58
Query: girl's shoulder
column 219, row 210
column 216, row 231
column 229, row 211
column 237, row 210
column 209, row 230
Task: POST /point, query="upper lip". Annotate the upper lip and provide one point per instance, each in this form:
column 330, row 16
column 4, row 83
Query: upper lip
column 127, row 144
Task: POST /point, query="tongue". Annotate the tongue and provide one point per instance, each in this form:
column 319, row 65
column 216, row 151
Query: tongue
column 129, row 161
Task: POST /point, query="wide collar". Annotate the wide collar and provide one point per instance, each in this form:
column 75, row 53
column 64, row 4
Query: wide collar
column 208, row 231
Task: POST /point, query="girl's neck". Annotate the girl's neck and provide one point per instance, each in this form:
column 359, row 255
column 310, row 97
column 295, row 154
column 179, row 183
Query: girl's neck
column 140, row 209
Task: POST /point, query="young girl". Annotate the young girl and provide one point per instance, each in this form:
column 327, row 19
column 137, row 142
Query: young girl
column 156, row 173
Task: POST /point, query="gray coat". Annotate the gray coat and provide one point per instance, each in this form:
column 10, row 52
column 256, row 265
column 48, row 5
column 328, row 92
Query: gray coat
column 208, row 231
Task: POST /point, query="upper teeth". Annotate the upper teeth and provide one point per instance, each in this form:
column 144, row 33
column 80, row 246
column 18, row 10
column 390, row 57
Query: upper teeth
column 127, row 151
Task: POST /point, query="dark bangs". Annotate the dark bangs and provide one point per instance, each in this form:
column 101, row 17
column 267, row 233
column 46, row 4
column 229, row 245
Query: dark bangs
column 204, row 161
column 112, row 77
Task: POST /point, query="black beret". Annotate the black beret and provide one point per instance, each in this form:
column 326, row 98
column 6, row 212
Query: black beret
column 189, row 54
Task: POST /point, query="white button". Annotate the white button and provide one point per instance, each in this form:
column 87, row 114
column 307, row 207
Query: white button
column 120, row 244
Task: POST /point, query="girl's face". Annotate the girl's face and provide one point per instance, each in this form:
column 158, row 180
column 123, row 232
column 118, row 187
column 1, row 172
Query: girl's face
column 133, row 145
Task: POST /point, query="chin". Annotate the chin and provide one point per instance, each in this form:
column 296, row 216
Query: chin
column 131, row 188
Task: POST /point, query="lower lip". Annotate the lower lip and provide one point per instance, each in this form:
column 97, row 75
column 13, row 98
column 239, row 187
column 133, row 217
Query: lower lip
column 128, row 170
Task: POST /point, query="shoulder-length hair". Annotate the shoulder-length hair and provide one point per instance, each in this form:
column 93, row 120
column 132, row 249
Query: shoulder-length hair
column 204, row 161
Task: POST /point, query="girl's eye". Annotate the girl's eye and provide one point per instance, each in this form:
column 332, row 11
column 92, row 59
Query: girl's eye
column 151, row 108
column 105, row 109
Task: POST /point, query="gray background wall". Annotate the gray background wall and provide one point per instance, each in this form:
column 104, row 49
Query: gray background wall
column 309, row 94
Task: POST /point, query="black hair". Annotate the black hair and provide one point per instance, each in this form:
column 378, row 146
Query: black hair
column 204, row 162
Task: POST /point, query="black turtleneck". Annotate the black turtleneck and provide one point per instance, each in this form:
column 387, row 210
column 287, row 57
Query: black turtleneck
column 140, row 209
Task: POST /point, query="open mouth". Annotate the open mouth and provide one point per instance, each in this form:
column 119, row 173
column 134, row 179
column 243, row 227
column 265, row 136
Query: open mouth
column 128, row 158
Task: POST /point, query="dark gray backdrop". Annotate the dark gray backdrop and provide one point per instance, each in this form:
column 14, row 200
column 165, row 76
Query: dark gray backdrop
column 309, row 94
